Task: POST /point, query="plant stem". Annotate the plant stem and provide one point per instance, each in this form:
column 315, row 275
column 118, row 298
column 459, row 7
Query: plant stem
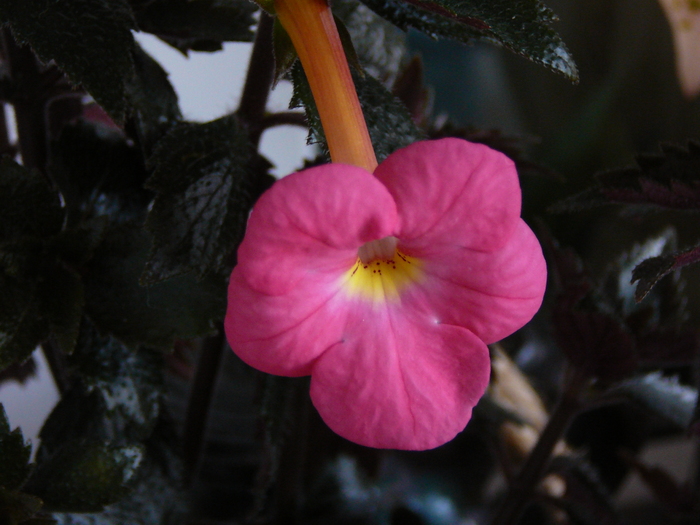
column 311, row 27
column 525, row 483
column 57, row 364
column 28, row 102
column 258, row 82
column 284, row 118
column 199, row 402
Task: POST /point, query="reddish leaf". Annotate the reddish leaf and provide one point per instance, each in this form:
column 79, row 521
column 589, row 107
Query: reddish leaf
column 670, row 179
column 650, row 271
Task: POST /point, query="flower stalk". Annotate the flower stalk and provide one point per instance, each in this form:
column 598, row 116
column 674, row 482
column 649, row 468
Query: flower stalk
column 313, row 32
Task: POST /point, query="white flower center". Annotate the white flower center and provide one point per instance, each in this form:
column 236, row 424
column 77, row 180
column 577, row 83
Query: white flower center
column 382, row 249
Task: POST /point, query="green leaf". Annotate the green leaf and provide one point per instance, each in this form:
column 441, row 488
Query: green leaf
column 180, row 307
column 99, row 174
column 519, row 25
column 390, row 126
column 152, row 99
column 199, row 25
column 28, row 205
column 205, row 189
column 85, row 475
column 662, row 395
column 90, row 40
column 14, row 455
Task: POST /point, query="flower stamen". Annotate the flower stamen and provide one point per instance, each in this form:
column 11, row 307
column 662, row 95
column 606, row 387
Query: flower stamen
column 381, row 271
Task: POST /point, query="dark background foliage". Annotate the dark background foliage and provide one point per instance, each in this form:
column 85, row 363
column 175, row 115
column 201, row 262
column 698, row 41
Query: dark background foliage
column 118, row 233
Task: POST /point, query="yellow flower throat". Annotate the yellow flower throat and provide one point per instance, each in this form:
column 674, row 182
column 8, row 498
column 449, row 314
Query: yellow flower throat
column 382, row 271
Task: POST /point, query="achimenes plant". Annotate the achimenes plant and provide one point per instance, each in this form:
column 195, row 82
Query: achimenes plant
column 383, row 282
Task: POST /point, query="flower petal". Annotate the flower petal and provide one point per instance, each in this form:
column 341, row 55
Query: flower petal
column 453, row 190
column 283, row 334
column 313, row 221
column 492, row 294
column 399, row 382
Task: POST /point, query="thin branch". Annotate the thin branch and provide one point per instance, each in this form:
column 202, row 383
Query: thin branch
column 57, row 364
column 258, row 82
column 199, row 402
column 29, row 104
column 523, row 487
column 284, row 118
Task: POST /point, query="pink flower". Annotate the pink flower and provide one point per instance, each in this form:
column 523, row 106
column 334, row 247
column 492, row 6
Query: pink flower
column 386, row 288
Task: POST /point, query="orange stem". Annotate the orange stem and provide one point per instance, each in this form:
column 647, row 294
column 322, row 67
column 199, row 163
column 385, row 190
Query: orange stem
column 311, row 27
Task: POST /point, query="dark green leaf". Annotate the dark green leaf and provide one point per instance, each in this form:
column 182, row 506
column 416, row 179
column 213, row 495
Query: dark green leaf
column 62, row 299
column 117, row 400
column 519, row 25
column 22, row 326
column 390, row 126
column 205, row 188
column 152, row 99
column 283, row 48
column 670, row 179
column 90, row 40
column 129, row 381
column 85, row 475
column 200, row 25
column 16, row 508
column 99, row 174
column 28, row 206
column 14, row 455
column 19, row 372
column 39, row 295
column 157, row 497
column 661, row 395
column 79, row 414
column 155, row 315
column 77, row 245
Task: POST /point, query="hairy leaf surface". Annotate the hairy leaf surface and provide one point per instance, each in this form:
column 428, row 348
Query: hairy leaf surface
column 519, row 25
column 90, row 40
column 205, row 188
column 198, row 25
